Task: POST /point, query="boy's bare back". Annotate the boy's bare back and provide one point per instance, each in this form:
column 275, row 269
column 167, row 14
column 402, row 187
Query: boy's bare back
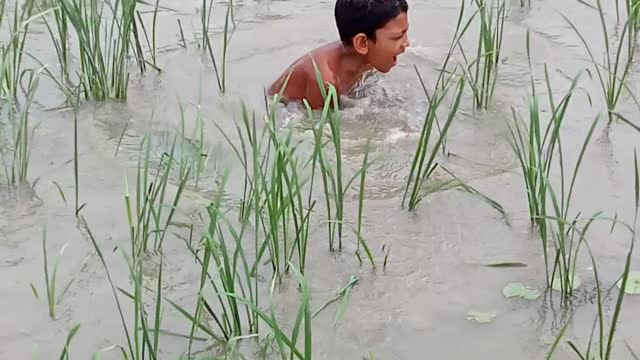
column 300, row 77
column 372, row 32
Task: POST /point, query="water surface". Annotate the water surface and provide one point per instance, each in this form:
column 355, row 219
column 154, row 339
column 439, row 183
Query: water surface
column 416, row 308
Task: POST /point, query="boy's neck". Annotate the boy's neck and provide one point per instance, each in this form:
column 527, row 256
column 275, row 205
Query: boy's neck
column 349, row 61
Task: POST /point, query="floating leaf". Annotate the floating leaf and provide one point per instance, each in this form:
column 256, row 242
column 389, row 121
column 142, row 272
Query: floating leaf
column 633, row 284
column 507, row 265
column 520, row 290
column 481, row 317
column 557, row 284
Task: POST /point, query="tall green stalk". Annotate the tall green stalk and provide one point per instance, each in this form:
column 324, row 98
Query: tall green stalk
column 613, row 73
column 49, row 278
column 603, row 334
column 23, row 133
column 13, row 51
column 537, row 148
column 205, row 20
column 633, row 17
column 482, row 73
column 424, row 160
column 331, row 173
column 104, row 45
column 143, row 340
column 3, row 4
column 60, row 39
column 76, row 164
column 214, row 213
column 147, row 220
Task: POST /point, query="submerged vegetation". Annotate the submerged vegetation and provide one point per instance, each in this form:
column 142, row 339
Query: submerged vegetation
column 296, row 187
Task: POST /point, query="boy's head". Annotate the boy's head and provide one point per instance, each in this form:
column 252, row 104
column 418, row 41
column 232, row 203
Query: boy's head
column 377, row 29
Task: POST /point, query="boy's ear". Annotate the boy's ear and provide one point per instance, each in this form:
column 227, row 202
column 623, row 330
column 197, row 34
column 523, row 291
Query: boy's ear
column 361, row 44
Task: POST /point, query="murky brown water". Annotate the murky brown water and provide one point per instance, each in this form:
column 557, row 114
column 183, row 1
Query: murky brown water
column 435, row 275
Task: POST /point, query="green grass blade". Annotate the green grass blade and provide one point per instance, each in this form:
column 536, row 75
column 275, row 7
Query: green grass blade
column 65, row 351
column 199, row 324
column 113, row 289
column 556, row 342
column 346, row 295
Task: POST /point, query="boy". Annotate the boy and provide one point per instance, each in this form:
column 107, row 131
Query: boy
column 372, row 35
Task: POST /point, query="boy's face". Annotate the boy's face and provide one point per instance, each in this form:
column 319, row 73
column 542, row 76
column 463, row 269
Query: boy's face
column 391, row 41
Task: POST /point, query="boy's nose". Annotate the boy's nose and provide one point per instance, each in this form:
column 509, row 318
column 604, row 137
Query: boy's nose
column 405, row 42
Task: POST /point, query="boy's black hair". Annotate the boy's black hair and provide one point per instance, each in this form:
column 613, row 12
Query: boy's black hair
column 365, row 16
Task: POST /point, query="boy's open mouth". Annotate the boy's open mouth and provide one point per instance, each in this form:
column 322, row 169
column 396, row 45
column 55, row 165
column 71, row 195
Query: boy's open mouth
column 395, row 59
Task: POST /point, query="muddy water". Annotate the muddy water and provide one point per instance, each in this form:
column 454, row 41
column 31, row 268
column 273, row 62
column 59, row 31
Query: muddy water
column 435, row 274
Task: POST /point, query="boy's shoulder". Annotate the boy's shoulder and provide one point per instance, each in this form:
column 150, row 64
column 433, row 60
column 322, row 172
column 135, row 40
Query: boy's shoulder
column 300, row 80
column 318, row 59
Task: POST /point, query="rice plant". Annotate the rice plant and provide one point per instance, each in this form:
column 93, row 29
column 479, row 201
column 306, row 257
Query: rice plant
column 205, row 20
column 60, row 40
column 143, row 338
column 50, row 276
column 462, row 26
column 64, row 355
column 332, row 173
column 252, row 161
column 104, row 42
column 3, row 4
column 193, row 147
column 22, row 133
column 331, row 178
column 613, row 72
column 154, row 27
column 76, row 166
column 602, row 335
column 343, row 295
column 274, row 190
column 225, row 267
column 482, row 73
column 150, row 44
column 273, row 200
column 633, row 16
column 424, row 160
column 230, row 278
column 13, row 51
column 149, row 341
column 537, row 147
column 284, row 200
column 16, row 104
column 253, row 156
column 227, row 286
column 182, row 39
column 146, row 221
column 287, row 345
column 361, row 194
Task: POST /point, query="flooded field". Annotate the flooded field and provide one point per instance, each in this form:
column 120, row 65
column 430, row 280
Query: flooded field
column 406, row 285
